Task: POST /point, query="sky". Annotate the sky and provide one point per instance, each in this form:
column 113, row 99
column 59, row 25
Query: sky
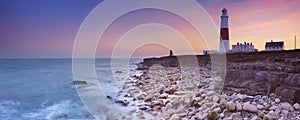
column 48, row 28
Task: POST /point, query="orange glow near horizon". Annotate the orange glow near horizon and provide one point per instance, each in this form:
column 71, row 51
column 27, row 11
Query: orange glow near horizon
column 35, row 30
column 261, row 21
column 249, row 21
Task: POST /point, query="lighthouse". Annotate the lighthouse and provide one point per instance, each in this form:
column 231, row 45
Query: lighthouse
column 224, row 32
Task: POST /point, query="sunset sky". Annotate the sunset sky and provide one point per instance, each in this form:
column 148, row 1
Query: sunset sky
column 48, row 28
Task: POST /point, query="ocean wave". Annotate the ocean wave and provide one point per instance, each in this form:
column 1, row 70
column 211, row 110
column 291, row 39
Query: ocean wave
column 61, row 111
column 8, row 108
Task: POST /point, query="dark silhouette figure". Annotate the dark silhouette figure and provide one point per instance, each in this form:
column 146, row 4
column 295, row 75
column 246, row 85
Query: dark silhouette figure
column 171, row 53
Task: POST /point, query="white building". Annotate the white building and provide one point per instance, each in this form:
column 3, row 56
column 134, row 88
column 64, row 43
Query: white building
column 206, row 52
column 273, row 46
column 246, row 47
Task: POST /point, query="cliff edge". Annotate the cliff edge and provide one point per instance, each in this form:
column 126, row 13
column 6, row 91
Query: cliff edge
column 257, row 73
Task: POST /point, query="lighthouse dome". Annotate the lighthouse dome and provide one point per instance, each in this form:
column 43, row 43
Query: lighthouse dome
column 224, row 12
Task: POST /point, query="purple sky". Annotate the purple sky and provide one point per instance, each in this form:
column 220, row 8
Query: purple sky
column 47, row 28
column 41, row 28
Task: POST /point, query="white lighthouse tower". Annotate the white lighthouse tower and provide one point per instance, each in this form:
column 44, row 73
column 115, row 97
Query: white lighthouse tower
column 224, row 32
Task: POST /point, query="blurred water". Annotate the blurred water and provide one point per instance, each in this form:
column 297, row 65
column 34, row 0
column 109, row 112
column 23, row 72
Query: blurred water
column 43, row 89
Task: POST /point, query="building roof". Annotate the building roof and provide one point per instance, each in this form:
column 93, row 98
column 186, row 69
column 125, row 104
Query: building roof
column 274, row 44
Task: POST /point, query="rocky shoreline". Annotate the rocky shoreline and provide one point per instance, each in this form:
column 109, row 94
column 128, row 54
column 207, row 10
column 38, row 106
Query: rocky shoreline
column 256, row 73
column 166, row 93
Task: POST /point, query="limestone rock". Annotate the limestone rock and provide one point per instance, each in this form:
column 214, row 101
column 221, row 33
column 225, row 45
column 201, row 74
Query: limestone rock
column 268, row 117
column 287, row 106
column 79, row 82
column 255, row 118
column 217, row 109
column 272, row 107
column 285, row 112
column 174, row 117
column 239, row 107
column 260, row 106
column 212, row 115
column 163, row 96
column 155, row 103
column 123, row 102
column 249, row 107
column 230, row 106
column 216, row 99
column 237, row 117
column 277, row 100
column 297, row 106
column 239, row 96
column 261, row 114
column 143, row 107
column 157, row 108
column 209, row 93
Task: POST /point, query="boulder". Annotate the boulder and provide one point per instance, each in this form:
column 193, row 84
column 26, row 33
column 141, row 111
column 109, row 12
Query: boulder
column 212, row 115
column 209, row 93
column 230, row 106
column 277, row 100
column 175, row 117
column 216, row 98
column 269, row 117
column 143, row 107
column 273, row 107
column 123, row 102
column 155, row 103
column 157, row 108
column 297, row 106
column 163, row 96
column 249, row 107
column 287, row 106
column 260, row 106
column 239, row 107
column 255, row 118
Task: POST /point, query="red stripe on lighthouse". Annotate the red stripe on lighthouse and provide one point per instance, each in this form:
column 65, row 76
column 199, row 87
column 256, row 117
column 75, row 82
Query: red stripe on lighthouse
column 224, row 34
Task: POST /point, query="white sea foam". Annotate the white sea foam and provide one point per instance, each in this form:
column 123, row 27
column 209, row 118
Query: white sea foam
column 63, row 110
column 8, row 108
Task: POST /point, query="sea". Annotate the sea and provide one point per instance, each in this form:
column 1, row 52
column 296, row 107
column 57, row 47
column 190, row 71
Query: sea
column 43, row 89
